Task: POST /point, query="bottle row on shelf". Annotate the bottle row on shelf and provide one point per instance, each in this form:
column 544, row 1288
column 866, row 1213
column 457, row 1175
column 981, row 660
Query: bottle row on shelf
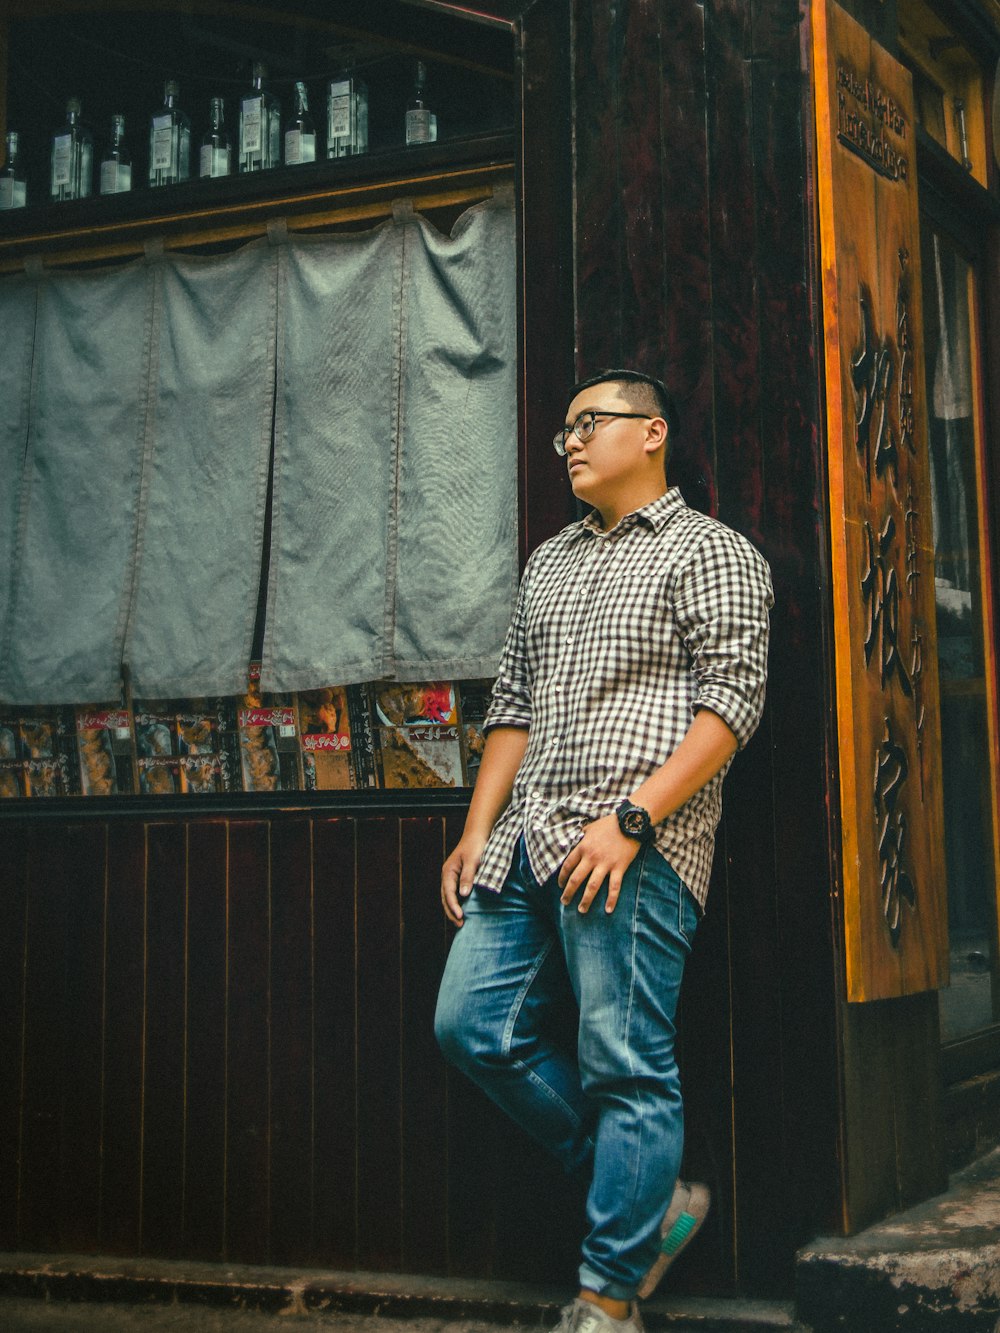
column 262, row 140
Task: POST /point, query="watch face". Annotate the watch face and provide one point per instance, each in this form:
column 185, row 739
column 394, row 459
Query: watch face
column 633, row 820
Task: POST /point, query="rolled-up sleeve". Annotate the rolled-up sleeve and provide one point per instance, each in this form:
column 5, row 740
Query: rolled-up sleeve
column 722, row 599
column 510, row 705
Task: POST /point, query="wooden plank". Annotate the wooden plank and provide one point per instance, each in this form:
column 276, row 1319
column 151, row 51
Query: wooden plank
column 48, row 899
column 205, row 1044
column 379, row 1091
column 247, row 1089
column 798, row 727
column 424, row 1134
column 83, row 853
column 163, row 1090
column 291, row 1021
column 14, row 854
column 123, row 1039
column 334, row 951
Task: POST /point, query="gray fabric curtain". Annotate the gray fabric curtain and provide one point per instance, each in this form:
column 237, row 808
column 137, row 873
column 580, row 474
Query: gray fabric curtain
column 208, row 443
column 456, row 555
column 71, row 572
column 138, row 454
column 393, row 551
column 17, row 319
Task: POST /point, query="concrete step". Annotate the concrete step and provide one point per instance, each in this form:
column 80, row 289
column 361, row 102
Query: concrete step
column 310, row 1292
column 932, row 1269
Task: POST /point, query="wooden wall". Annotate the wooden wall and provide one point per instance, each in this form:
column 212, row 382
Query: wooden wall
column 217, row 1044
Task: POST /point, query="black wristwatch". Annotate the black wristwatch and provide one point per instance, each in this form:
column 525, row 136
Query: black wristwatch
column 634, row 822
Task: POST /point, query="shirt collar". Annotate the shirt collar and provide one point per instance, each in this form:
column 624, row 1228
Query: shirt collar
column 652, row 516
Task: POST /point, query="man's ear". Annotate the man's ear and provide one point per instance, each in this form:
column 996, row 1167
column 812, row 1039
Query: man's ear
column 656, row 435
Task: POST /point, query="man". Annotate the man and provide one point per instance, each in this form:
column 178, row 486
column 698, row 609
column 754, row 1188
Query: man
column 633, row 670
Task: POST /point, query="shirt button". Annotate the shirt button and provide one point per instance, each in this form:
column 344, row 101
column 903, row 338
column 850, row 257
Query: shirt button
column 555, row 740
column 558, row 687
column 569, row 638
column 536, row 795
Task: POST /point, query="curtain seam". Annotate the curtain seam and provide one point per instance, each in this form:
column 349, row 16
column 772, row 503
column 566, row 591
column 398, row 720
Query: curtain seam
column 24, row 493
column 124, row 629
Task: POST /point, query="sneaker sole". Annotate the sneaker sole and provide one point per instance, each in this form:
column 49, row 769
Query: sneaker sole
column 678, row 1236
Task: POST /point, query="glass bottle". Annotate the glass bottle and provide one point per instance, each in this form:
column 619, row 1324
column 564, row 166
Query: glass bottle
column 116, row 164
column 260, row 125
column 346, row 116
column 72, row 157
column 300, row 132
column 216, row 152
column 169, row 140
column 421, row 122
column 13, row 186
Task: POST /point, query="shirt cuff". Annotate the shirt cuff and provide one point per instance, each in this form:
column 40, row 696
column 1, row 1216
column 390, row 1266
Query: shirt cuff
column 740, row 713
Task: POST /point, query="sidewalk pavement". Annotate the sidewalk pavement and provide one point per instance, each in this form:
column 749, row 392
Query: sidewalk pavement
column 932, row 1269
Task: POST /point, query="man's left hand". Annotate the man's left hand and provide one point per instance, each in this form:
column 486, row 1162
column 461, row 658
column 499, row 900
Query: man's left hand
column 602, row 854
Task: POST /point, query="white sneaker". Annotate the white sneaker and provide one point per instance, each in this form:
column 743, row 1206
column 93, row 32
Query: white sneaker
column 582, row 1316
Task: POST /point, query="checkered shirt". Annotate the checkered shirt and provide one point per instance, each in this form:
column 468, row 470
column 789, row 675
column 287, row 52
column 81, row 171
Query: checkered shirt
column 617, row 639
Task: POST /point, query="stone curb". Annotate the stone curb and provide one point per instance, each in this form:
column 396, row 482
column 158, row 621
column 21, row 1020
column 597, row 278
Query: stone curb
column 309, row 1291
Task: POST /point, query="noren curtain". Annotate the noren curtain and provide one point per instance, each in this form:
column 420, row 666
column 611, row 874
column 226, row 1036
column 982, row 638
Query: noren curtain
column 135, row 460
column 393, row 550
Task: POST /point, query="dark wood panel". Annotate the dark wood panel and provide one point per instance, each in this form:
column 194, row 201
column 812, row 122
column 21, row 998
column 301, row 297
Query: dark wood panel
column 424, row 1201
column 335, row 1017
column 291, row 1022
column 205, row 1072
column 40, row 1220
column 84, row 858
column 163, row 1054
column 799, row 716
column 378, row 1088
column 247, row 1073
column 123, row 1039
column 14, row 843
column 545, row 258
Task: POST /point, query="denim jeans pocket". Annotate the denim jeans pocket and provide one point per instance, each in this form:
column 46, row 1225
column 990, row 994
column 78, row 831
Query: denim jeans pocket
column 658, row 871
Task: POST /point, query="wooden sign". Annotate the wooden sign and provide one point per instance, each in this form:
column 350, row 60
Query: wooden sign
column 882, row 552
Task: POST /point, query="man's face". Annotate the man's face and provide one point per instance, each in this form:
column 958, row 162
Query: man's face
column 613, row 454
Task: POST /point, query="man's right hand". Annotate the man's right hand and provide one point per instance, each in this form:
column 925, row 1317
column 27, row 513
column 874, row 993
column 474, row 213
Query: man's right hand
column 457, row 875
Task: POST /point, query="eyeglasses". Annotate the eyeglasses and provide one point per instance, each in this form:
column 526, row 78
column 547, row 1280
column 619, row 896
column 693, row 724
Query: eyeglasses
column 585, row 425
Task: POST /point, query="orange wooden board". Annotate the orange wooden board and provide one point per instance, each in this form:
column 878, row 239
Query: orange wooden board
column 888, row 712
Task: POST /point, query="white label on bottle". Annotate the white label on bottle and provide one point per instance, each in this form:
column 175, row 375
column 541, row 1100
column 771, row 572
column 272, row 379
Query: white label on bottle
column 86, row 169
column 250, row 132
column 116, row 177
column 62, row 152
column 421, row 127
column 214, row 160
column 13, row 194
column 339, row 111
column 299, row 147
column 162, row 143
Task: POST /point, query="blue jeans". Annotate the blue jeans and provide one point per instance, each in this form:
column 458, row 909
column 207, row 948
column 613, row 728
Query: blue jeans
column 615, row 1110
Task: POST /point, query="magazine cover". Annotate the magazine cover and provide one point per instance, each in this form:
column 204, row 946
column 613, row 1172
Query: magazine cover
column 418, row 735
column 155, row 729
column 364, row 759
column 473, row 701
column 325, row 734
column 159, row 777
column 269, row 746
column 104, row 746
column 37, row 755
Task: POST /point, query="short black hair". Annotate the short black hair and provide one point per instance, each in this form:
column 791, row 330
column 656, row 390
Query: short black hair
column 642, row 391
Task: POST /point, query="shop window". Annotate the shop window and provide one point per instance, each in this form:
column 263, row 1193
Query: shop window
column 965, row 615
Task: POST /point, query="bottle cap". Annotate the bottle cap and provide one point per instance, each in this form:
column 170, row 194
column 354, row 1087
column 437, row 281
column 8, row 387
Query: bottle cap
column 259, row 69
column 73, row 106
column 171, row 88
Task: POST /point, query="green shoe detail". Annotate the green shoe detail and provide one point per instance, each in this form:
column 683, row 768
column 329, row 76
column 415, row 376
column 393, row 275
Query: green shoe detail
column 678, row 1234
